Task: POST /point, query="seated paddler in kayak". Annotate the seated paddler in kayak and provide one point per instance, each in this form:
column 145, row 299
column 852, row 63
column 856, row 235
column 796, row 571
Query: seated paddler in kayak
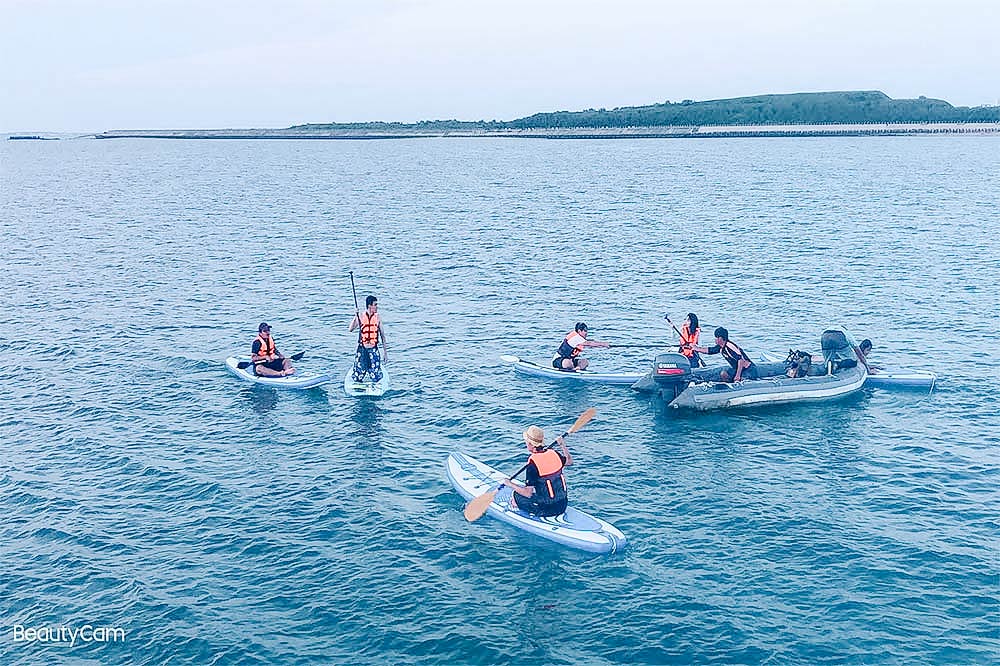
column 568, row 355
column 544, row 493
column 742, row 366
column 267, row 360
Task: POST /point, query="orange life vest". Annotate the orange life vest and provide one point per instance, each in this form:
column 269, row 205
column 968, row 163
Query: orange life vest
column 688, row 338
column 369, row 328
column 266, row 347
column 550, row 476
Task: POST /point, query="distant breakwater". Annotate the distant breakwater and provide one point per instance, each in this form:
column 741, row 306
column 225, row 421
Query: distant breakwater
column 700, row 132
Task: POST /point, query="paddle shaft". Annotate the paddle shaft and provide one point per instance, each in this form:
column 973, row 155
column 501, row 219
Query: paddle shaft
column 357, row 312
column 242, row 365
column 649, row 346
column 525, row 466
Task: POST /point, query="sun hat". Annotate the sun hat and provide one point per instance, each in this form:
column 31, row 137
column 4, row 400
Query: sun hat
column 534, row 436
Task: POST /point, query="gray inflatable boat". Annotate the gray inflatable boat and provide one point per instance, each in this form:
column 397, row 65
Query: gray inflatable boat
column 676, row 383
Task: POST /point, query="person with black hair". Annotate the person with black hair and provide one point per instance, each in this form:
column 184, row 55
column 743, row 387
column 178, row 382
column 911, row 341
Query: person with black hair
column 568, row 355
column 743, row 367
column 367, row 360
column 689, row 335
column 267, row 360
column 862, row 351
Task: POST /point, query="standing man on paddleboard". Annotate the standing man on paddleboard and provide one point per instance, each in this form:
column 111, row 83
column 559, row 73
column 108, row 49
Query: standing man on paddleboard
column 544, row 493
column 367, row 359
column 267, row 360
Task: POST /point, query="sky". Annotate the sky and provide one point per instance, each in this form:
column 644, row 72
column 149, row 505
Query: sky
column 74, row 66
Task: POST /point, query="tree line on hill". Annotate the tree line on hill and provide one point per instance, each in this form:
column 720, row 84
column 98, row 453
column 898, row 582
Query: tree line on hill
column 794, row 109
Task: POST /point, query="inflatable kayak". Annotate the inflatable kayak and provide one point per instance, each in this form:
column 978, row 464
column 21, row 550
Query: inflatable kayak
column 539, row 370
column 574, row 528
column 884, row 377
column 368, row 387
column 300, row 380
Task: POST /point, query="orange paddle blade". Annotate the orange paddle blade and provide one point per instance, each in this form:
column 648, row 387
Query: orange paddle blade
column 583, row 420
column 477, row 506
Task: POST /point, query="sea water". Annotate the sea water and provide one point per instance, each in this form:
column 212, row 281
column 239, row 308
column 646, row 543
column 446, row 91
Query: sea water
column 187, row 517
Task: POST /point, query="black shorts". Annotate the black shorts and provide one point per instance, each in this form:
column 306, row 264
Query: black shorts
column 527, row 505
column 277, row 365
column 557, row 362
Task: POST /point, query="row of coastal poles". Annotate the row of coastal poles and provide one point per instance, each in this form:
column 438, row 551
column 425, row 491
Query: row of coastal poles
column 267, row 361
column 568, row 356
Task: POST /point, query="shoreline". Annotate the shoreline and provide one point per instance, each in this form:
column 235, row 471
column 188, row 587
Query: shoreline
column 665, row 132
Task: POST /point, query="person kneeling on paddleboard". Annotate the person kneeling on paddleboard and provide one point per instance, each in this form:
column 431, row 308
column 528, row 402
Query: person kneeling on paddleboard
column 267, row 360
column 568, row 355
column 544, row 494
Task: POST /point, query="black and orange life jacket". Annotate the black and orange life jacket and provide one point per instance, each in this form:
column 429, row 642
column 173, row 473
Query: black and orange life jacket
column 369, row 329
column 568, row 351
column 688, row 338
column 551, row 485
column 267, row 348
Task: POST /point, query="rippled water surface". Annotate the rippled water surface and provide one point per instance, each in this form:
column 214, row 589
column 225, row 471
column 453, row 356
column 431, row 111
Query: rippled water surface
column 144, row 488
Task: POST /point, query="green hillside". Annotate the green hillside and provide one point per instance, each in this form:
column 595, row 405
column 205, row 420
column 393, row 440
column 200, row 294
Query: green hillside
column 793, row 109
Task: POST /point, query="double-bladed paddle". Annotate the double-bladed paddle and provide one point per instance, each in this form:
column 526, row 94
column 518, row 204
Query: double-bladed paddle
column 478, row 505
column 243, row 365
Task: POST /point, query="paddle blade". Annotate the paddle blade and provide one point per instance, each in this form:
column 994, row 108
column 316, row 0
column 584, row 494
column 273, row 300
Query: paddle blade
column 583, row 420
column 507, row 358
column 243, row 365
column 477, row 506
column 296, row 357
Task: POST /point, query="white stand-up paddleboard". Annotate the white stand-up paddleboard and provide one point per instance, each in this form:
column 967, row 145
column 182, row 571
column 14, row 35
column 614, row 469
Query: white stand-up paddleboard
column 300, row 380
column 366, row 387
column 538, row 370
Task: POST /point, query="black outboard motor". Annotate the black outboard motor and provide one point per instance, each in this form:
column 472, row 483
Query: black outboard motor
column 672, row 374
column 837, row 351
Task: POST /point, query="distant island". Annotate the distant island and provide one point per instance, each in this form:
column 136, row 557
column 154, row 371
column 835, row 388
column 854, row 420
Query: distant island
column 798, row 114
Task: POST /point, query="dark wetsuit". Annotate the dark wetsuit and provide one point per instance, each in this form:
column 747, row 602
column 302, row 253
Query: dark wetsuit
column 732, row 353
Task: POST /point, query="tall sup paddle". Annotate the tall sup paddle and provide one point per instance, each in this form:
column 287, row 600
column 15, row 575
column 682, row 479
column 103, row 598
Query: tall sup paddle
column 477, row 506
column 357, row 312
